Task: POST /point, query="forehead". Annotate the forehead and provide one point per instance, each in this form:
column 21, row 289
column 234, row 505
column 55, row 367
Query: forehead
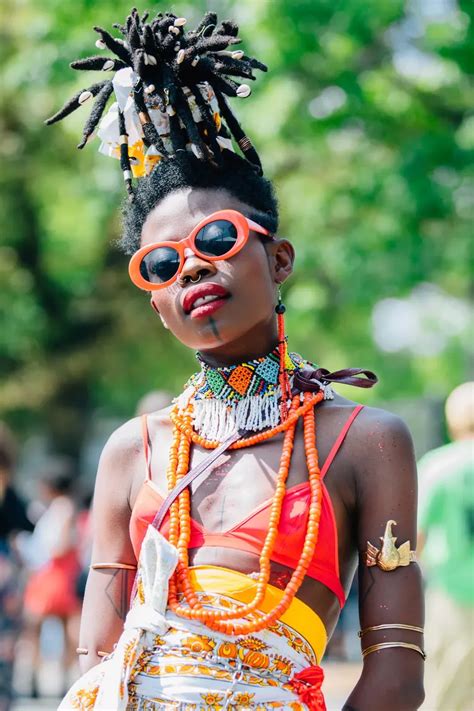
column 175, row 216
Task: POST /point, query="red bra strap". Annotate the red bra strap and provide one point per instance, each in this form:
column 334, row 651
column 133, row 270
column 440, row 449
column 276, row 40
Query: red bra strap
column 341, row 437
column 146, row 447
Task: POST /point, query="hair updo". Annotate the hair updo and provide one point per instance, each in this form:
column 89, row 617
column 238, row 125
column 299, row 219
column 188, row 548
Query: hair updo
column 235, row 175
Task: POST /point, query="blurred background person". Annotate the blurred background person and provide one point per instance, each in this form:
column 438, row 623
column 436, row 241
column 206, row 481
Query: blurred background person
column 53, row 555
column 13, row 518
column 446, row 520
column 84, row 539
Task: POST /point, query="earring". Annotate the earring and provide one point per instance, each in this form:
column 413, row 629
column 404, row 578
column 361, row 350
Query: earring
column 283, row 378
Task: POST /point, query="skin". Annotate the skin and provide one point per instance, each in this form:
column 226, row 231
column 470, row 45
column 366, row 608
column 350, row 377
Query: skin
column 372, row 479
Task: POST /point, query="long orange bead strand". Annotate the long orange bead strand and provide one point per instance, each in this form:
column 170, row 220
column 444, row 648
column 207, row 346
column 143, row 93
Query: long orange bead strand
column 173, row 513
column 311, row 538
column 269, row 544
column 220, row 620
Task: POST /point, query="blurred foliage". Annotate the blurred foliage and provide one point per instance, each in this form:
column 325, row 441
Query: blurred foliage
column 364, row 122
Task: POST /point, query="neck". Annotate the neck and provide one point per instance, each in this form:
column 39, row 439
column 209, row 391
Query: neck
column 256, row 343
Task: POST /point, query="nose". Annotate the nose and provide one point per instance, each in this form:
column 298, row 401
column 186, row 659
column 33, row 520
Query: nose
column 195, row 267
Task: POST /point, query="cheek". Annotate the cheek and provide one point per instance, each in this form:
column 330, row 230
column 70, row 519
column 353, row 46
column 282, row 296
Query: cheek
column 252, row 281
column 164, row 300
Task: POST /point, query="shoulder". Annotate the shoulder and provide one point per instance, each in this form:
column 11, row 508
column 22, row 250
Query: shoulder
column 125, row 443
column 376, row 424
column 124, row 450
column 373, row 427
column 383, row 449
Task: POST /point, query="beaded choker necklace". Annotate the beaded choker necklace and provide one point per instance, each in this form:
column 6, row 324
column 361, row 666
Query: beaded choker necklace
column 245, row 396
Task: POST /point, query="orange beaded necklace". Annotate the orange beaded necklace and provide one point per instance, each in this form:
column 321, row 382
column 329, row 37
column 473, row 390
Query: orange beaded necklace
column 230, row 621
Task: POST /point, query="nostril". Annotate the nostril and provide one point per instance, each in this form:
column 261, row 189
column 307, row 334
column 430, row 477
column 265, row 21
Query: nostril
column 195, row 277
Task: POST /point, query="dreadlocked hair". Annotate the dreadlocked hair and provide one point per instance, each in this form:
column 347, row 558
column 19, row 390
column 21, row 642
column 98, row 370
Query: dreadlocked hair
column 185, row 170
column 170, row 66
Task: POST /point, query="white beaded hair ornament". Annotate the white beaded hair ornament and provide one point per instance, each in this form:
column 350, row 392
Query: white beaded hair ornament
column 170, row 89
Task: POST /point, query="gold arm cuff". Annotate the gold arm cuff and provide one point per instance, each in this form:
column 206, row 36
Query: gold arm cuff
column 390, row 645
column 83, row 650
column 107, row 566
column 400, row 626
column 389, row 557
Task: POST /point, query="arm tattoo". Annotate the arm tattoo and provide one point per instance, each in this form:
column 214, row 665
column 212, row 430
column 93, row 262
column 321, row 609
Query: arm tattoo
column 120, row 599
column 370, row 573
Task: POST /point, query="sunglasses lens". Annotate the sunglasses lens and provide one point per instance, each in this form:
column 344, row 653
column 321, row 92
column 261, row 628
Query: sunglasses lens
column 160, row 265
column 216, row 239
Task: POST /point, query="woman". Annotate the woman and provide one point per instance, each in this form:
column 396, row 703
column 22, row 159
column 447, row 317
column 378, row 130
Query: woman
column 241, row 577
column 52, row 552
column 13, row 519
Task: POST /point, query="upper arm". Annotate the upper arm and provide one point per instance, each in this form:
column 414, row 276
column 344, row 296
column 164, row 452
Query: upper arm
column 386, row 480
column 387, row 489
column 111, row 504
column 108, row 590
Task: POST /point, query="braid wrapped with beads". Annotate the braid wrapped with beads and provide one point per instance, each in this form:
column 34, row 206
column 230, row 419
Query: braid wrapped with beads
column 170, row 69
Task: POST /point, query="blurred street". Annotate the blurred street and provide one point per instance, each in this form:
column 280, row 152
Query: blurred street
column 340, row 677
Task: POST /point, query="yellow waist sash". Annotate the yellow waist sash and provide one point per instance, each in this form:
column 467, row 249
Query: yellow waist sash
column 242, row 588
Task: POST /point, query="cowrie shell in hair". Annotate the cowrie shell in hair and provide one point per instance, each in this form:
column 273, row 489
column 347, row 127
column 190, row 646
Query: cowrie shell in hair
column 85, row 96
column 174, row 30
column 180, row 57
column 108, row 65
column 170, row 111
column 150, row 59
column 150, row 89
column 238, row 54
column 100, row 44
column 180, row 21
column 196, row 150
column 224, row 142
column 195, row 60
column 243, row 91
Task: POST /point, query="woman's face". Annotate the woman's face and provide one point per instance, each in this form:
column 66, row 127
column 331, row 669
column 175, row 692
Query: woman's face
column 244, row 319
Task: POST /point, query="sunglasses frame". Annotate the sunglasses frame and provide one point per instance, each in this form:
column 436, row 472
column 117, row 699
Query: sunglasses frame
column 241, row 223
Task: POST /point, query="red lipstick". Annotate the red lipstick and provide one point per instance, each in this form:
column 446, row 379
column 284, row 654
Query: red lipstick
column 204, row 300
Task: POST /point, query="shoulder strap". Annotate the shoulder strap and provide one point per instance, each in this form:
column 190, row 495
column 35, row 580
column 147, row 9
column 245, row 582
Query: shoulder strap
column 340, row 439
column 190, row 476
column 146, row 447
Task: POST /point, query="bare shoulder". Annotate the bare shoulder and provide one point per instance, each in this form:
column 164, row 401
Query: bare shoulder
column 374, row 423
column 123, row 446
column 383, row 449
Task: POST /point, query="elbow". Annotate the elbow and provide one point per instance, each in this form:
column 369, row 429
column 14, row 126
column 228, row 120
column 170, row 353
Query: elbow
column 411, row 694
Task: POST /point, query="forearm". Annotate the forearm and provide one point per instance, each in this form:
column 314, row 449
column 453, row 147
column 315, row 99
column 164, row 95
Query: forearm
column 391, row 680
column 106, row 603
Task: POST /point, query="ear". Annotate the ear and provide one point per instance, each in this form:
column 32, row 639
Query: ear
column 282, row 255
column 155, row 309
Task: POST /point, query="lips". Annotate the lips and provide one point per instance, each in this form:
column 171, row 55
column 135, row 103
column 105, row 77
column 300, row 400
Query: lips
column 202, row 300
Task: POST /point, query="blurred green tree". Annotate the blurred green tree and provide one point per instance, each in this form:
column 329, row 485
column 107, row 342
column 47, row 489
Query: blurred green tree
column 365, row 123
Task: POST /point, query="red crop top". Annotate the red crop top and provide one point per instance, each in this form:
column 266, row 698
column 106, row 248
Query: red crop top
column 249, row 534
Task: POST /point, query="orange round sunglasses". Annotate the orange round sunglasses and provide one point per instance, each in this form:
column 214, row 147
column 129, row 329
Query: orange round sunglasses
column 218, row 236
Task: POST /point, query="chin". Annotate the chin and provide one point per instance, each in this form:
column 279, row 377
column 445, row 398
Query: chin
column 210, row 334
